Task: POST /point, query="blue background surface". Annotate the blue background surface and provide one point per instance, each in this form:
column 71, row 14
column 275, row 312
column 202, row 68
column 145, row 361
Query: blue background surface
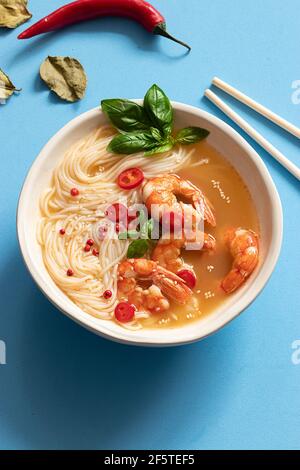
column 63, row 387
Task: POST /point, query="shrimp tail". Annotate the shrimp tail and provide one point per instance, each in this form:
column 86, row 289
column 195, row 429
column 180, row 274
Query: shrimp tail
column 232, row 281
column 165, row 283
column 204, row 207
column 244, row 248
column 172, row 285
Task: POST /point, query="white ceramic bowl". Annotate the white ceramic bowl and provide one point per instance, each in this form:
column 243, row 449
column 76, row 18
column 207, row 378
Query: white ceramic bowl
column 246, row 161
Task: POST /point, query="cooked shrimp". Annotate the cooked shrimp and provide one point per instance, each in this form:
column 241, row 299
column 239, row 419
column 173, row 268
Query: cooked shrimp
column 163, row 191
column 165, row 284
column 150, row 299
column 243, row 246
column 168, row 252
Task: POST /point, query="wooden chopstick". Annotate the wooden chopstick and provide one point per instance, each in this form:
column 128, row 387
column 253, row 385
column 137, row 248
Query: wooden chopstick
column 264, row 143
column 267, row 113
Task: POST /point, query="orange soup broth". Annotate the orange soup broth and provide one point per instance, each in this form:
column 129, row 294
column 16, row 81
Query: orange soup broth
column 234, row 207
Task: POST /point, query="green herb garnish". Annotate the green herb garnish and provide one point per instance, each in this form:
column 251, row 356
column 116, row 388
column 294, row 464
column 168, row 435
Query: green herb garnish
column 126, row 115
column 159, row 109
column 142, row 239
column 147, row 128
column 132, row 143
column 191, row 135
column 138, row 248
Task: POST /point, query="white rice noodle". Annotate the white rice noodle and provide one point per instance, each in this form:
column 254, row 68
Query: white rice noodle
column 88, row 167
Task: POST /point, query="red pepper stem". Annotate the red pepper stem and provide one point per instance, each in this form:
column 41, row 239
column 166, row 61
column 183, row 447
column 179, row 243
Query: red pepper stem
column 160, row 29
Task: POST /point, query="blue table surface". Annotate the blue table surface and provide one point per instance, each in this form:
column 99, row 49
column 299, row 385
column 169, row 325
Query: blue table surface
column 65, row 388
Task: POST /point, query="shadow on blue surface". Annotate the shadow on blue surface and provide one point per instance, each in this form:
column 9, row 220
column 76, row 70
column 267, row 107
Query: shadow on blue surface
column 62, row 387
column 82, row 391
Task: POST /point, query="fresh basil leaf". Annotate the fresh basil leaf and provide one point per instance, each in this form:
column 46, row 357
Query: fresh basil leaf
column 126, row 115
column 133, row 234
column 145, row 232
column 141, row 220
column 7, row 88
column 13, row 13
column 122, row 236
column 137, row 248
column 159, row 109
column 65, row 76
column 191, row 135
column 150, row 228
column 156, row 134
column 145, row 229
column 164, row 147
column 150, row 231
column 131, row 143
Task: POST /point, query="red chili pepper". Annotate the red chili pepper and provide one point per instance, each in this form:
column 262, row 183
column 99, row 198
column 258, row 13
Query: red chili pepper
column 130, row 178
column 124, row 312
column 82, row 10
column 189, row 277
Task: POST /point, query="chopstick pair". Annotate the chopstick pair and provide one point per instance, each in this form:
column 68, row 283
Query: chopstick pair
column 245, row 126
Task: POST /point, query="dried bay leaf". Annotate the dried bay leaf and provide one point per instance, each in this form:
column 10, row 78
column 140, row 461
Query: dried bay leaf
column 13, row 13
column 7, row 88
column 65, row 76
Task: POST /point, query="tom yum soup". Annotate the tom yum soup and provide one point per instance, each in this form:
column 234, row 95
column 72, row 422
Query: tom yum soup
column 147, row 227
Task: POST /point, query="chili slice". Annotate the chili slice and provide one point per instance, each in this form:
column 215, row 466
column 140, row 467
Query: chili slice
column 124, row 312
column 131, row 178
column 189, row 277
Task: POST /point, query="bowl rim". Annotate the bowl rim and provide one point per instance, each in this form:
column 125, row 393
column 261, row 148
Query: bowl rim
column 133, row 337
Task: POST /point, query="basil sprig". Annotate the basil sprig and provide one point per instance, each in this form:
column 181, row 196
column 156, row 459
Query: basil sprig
column 138, row 248
column 126, row 115
column 191, row 135
column 131, row 143
column 141, row 240
column 159, row 109
column 147, row 128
